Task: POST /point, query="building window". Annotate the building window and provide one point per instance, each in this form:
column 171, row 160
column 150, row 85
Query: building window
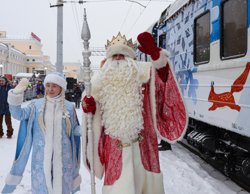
column 27, row 70
column 202, row 38
column 28, row 60
column 33, row 60
column 30, row 47
column 233, row 29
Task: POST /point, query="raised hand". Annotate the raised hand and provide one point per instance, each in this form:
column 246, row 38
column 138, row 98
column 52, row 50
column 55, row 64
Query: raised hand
column 21, row 86
column 148, row 45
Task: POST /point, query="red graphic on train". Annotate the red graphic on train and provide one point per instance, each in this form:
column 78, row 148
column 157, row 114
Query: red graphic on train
column 227, row 98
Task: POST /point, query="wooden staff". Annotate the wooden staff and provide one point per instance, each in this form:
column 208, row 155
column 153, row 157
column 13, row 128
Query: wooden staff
column 87, row 77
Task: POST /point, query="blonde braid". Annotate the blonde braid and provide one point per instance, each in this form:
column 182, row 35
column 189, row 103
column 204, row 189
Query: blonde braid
column 41, row 116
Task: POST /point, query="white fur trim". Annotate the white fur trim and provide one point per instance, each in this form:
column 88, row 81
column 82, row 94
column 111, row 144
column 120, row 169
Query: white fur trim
column 134, row 179
column 13, row 180
column 120, row 49
column 95, row 85
column 15, row 99
column 53, row 145
column 96, row 127
column 57, row 147
column 48, row 148
column 56, row 79
column 162, row 60
column 76, row 182
column 144, row 71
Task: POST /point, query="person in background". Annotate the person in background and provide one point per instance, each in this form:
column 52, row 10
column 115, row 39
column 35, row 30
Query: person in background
column 77, row 95
column 51, row 126
column 132, row 102
column 15, row 82
column 82, row 86
column 39, row 89
column 4, row 107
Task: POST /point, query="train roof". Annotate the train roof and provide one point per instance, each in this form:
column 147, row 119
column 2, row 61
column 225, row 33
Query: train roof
column 176, row 6
column 172, row 9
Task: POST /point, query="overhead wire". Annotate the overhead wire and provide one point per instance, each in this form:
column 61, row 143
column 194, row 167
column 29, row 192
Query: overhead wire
column 81, row 2
column 129, row 9
column 75, row 13
column 138, row 17
column 98, row 1
column 149, row 1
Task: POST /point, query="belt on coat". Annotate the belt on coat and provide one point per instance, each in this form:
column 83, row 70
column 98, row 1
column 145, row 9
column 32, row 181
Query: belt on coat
column 123, row 145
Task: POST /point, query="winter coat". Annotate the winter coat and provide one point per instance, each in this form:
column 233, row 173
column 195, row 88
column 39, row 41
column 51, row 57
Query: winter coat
column 39, row 89
column 31, row 134
column 4, row 106
column 77, row 93
column 133, row 166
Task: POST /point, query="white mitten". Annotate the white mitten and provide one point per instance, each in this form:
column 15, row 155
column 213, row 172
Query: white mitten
column 21, row 86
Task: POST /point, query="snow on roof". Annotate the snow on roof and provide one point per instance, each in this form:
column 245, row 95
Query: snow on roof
column 176, row 6
column 2, row 44
column 27, row 75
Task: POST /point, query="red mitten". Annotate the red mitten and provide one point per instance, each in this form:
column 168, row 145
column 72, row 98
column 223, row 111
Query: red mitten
column 148, row 45
column 88, row 105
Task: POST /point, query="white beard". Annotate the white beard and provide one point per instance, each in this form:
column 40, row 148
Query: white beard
column 121, row 99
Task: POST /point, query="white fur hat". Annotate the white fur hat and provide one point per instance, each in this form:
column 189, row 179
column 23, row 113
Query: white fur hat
column 120, row 49
column 56, row 78
column 120, row 45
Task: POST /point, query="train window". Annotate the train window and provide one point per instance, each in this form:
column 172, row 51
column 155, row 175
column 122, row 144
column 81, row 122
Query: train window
column 202, row 38
column 233, row 29
column 162, row 41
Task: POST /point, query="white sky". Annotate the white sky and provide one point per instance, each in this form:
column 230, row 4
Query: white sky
column 105, row 19
column 183, row 172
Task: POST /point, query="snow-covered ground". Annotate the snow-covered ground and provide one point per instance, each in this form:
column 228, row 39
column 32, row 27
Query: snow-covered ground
column 184, row 173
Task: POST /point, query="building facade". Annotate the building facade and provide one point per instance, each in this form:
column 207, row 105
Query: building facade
column 73, row 70
column 21, row 54
column 12, row 60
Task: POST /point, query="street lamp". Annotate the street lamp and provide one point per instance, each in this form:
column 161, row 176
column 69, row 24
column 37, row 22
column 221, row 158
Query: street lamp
column 45, row 69
column 1, row 69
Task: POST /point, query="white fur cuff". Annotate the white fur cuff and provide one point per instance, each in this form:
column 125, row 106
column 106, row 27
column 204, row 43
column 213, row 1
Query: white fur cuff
column 77, row 181
column 162, row 60
column 13, row 180
column 15, row 99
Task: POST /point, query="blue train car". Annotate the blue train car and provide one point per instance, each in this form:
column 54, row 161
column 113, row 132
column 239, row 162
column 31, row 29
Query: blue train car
column 209, row 43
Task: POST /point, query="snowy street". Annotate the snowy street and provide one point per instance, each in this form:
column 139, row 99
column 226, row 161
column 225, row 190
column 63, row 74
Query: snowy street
column 184, row 173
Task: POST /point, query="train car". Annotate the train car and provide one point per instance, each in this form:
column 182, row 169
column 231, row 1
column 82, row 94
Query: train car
column 209, row 43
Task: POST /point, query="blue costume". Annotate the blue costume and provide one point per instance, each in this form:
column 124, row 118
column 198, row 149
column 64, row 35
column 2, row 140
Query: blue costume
column 56, row 146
